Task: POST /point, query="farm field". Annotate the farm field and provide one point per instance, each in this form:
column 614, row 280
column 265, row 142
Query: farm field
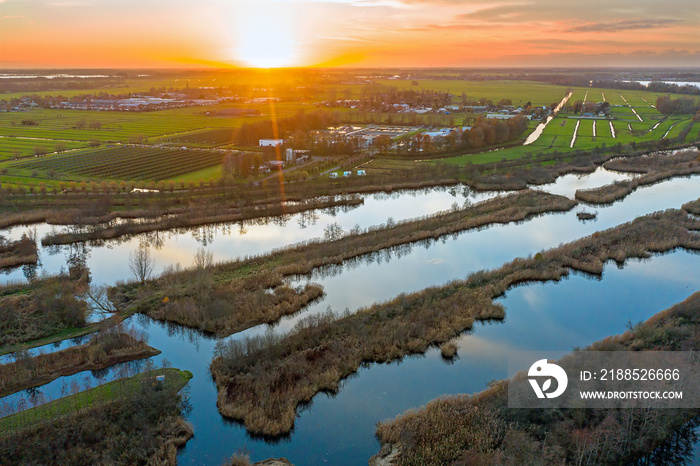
column 520, row 92
column 558, row 134
column 12, row 147
column 125, row 126
column 210, row 137
column 126, row 163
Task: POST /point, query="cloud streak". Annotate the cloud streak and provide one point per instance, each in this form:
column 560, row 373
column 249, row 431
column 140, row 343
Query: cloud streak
column 623, row 25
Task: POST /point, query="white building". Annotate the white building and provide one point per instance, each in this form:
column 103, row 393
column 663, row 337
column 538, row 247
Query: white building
column 271, row 142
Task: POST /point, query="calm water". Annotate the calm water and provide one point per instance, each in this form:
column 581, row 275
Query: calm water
column 340, row 429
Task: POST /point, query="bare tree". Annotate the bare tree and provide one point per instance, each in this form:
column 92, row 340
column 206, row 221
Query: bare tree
column 202, row 280
column 98, row 298
column 203, row 259
column 141, row 263
column 333, row 232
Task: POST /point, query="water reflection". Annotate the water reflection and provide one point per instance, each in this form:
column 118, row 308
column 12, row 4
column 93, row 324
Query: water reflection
column 678, row 450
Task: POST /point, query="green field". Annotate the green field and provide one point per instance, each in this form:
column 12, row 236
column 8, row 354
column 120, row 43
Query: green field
column 18, row 147
column 125, row 126
column 520, row 92
column 210, row 137
column 193, row 128
column 557, row 135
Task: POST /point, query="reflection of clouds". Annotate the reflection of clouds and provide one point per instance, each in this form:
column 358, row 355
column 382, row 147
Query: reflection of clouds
column 670, row 268
column 493, row 351
column 568, row 184
column 435, row 261
column 533, row 297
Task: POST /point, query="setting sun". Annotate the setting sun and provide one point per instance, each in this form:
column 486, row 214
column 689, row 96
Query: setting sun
column 265, row 37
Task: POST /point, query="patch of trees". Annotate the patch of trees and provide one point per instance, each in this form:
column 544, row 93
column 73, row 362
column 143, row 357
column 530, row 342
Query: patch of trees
column 667, row 106
column 380, row 99
column 588, row 107
column 654, row 86
column 586, row 81
column 484, row 132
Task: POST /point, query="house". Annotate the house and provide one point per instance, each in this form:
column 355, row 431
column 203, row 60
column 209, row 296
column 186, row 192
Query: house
column 270, row 142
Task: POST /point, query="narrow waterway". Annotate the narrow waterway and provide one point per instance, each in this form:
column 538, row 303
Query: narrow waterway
column 540, row 128
column 573, row 138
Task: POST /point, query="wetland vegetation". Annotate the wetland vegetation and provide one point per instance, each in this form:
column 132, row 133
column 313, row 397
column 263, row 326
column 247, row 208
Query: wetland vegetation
column 230, row 297
column 481, row 429
column 130, row 421
column 16, row 253
column 263, row 380
column 653, row 168
column 107, row 348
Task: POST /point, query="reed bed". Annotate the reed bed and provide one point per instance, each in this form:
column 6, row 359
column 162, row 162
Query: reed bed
column 41, row 309
column 480, row 429
column 16, row 253
column 654, row 168
column 124, row 422
column 202, row 215
column 105, row 349
column 232, row 296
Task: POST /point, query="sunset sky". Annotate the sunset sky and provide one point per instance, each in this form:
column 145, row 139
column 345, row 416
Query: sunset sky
column 371, row 33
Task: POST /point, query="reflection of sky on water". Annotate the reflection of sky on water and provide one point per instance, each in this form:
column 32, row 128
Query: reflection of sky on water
column 109, row 262
column 339, row 430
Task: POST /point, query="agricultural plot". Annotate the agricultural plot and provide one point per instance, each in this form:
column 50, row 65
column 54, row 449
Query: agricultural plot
column 124, row 126
column 127, row 163
column 113, row 126
column 694, row 133
column 211, row 137
column 11, row 148
column 602, row 130
column 520, row 92
column 578, row 94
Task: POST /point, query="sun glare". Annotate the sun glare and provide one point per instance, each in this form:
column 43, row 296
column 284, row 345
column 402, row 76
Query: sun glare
column 265, row 36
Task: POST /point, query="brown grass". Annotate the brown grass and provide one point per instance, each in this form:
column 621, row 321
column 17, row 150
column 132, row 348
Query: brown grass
column 449, row 350
column 105, row 349
column 102, row 229
column 655, row 168
column 231, row 297
column 262, row 381
column 40, row 310
column 692, row 207
column 16, row 253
